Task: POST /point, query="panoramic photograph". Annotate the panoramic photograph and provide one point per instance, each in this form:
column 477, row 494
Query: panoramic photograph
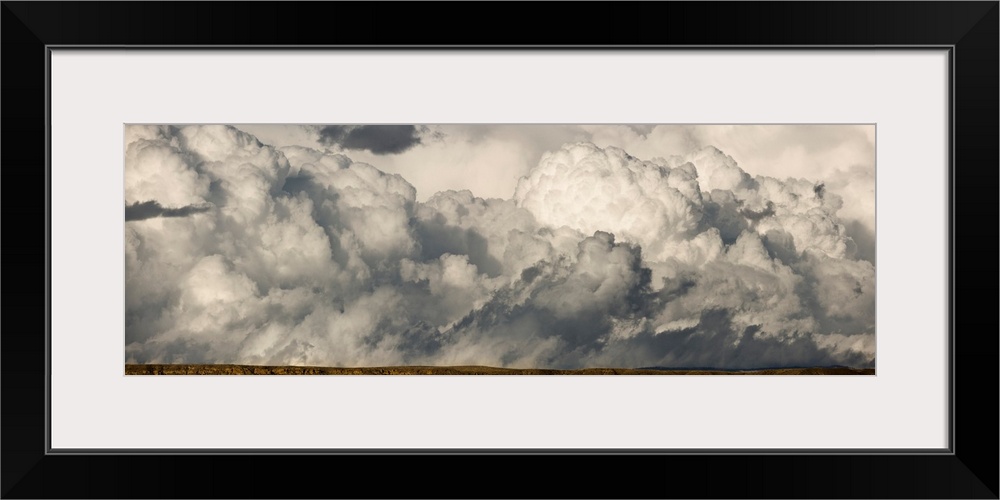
column 499, row 249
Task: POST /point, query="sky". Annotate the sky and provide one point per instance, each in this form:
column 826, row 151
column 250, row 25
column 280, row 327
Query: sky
column 524, row 246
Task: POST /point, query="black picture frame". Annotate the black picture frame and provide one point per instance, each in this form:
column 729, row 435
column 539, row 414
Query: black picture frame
column 969, row 29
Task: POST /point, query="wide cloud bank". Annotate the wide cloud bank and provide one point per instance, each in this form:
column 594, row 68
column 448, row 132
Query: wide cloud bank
column 297, row 256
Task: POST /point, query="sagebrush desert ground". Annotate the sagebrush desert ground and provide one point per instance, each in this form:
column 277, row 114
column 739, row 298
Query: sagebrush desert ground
column 161, row 369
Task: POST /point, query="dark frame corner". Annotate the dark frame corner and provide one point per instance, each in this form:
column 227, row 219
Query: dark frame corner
column 969, row 470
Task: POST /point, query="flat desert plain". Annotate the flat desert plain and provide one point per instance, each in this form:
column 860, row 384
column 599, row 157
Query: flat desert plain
column 189, row 369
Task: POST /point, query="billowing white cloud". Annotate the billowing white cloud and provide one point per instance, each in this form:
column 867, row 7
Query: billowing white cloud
column 157, row 168
column 842, row 156
column 591, row 189
column 301, row 255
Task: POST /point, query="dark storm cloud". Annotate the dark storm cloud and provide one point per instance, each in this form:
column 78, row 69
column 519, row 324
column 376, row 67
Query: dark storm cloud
column 864, row 238
column 379, row 139
column 149, row 209
column 716, row 342
column 768, row 210
column 438, row 238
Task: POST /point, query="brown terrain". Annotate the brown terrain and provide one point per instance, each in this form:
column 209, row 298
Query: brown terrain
column 131, row 369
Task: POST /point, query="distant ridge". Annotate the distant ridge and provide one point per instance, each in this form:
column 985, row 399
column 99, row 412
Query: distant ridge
column 228, row 369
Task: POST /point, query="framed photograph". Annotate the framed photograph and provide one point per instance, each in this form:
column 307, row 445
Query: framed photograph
column 296, row 219
column 500, row 249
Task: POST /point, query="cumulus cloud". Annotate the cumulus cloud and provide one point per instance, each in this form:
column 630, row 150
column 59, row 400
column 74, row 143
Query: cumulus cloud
column 158, row 167
column 304, row 256
column 589, row 189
